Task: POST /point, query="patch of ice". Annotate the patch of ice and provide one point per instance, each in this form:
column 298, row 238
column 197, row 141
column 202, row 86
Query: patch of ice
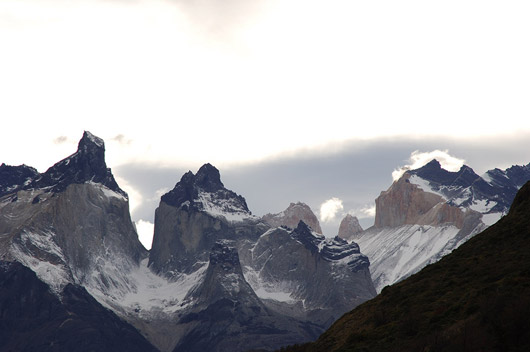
column 483, row 205
column 56, row 275
column 278, row 291
column 424, row 185
column 223, row 208
column 490, row 219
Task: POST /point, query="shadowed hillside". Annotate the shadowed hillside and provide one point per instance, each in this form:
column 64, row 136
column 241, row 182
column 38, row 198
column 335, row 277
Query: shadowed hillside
column 475, row 299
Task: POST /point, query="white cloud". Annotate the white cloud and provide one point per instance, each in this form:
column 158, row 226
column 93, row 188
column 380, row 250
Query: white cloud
column 185, row 65
column 418, row 159
column 330, row 208
column 363, row 212
column 135, row 197
column 145, row 231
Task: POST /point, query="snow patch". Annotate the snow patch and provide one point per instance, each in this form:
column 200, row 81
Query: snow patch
column 56, row 275
column 483, row 205
column 424, row 185
column 152, row 293
column 223, row 208
column 490, row 219
column 107, row 192
column 278, row 291
column 396, row 253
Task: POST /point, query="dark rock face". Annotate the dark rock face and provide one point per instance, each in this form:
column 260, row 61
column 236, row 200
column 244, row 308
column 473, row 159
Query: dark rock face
column 208, row 179
column 87, row 164
column 228, row 316
column 13, row 178
column 33, row 319
column 328, row 275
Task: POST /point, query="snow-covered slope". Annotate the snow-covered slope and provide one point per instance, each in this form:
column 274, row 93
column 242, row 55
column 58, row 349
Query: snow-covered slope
column 429, row 212
column 397, row 252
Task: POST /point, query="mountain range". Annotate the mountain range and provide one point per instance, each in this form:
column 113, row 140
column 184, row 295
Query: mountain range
column 475, row 299
column 217, row 276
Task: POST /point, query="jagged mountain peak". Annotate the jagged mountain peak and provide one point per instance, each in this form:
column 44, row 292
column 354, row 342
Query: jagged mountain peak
column 349, row 227
column 204, row 191
column 87, row 164
column 208, row 178
column 12, row 178
column 291, row 216
column 434, row 172
column 90, row 141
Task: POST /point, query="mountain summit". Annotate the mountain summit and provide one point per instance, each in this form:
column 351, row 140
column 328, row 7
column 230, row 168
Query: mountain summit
column 429, row 212
column 475, row 299
column 87, row 164
column 205, row 191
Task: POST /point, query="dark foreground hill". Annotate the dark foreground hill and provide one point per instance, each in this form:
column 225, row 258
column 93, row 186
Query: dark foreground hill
column 475, row 299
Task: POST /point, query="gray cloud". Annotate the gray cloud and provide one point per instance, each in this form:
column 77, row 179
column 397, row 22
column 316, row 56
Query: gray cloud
column 120, row 138
column 356, row 173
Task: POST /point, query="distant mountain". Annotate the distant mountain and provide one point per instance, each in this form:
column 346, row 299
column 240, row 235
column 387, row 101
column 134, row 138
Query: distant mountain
column 291, row 216
column 429, row 212
column 475, row 299
column 349, row 228
column 285, row 273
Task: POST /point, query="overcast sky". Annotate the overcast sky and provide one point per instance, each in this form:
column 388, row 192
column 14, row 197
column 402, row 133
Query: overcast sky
column 290, row 99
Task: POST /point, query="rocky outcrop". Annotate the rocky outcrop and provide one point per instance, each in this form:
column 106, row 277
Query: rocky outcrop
column 291, row 216
column 69, row 223
column 13, row 178
column 404, row 203
column 34, row 319
column 300, row 265
column 349, row 228
column 194, row 215
column 428, row 213
column 226, row 314
column 193, row 291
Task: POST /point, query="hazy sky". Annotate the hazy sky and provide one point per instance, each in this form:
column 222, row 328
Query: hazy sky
column 290, row 99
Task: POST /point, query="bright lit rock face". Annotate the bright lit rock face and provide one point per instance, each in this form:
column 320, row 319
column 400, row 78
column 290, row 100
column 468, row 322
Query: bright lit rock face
column 291, row 216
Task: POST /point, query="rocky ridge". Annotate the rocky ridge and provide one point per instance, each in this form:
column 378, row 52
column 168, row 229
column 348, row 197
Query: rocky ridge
column 71, row 226
column 429, row 212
